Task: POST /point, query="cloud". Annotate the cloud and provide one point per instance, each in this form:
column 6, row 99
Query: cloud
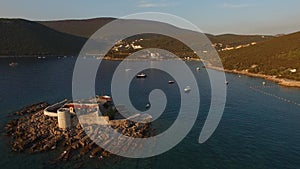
column 228, row 5
column 145, row 4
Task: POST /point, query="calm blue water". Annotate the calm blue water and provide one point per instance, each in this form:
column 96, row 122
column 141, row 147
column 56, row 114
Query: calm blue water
column 256, row 131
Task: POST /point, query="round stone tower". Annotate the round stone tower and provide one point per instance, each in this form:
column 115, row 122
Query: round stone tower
column 64, row 118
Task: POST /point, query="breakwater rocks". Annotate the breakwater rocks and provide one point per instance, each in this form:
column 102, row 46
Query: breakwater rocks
column 32, row 108
column 33, row 132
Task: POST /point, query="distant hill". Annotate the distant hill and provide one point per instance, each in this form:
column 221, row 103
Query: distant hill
column 23, row 37
column 231, row 40
column 276, row 56
column 272, row 55
column 83, row 28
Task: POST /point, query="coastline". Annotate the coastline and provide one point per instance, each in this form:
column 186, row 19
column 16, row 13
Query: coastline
column 280, row 81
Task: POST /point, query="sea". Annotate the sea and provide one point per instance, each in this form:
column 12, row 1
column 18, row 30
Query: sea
column 260, row 127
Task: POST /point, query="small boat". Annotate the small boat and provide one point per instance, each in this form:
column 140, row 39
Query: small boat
column 105, row 97
column 264, row 83
column 141, row 75
column 53, row 147
column 226, row 82
column 13, row 64
column 127, row 70
column 147, row 106
column 187, row 89
column 198, row 68
column 171, row 81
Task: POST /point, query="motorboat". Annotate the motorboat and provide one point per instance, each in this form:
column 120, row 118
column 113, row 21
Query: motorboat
column 13, row 64
column 147, row 106
column 187, row 89
column 141, row 75
column 171, row 81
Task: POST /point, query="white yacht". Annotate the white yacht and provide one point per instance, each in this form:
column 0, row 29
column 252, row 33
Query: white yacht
column 171, row 81
column 187, row 89
column 141, row 75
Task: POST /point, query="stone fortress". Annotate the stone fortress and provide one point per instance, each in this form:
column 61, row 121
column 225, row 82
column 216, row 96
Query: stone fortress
column 42, row 127
column 65, row 109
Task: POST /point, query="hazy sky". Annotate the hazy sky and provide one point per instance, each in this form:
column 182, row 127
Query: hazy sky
column 212, row 16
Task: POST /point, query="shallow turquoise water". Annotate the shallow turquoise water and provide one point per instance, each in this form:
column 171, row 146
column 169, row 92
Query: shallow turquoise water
column 256, row 131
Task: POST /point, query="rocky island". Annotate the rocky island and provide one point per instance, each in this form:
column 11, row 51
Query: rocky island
column 32, row 131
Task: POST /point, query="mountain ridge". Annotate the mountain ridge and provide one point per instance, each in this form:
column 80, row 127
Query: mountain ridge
column 23, row 37
column 270, row 55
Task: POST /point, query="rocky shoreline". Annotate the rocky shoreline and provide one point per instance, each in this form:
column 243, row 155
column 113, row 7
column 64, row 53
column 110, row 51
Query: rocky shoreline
column 33, row 132
column 282, row 82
